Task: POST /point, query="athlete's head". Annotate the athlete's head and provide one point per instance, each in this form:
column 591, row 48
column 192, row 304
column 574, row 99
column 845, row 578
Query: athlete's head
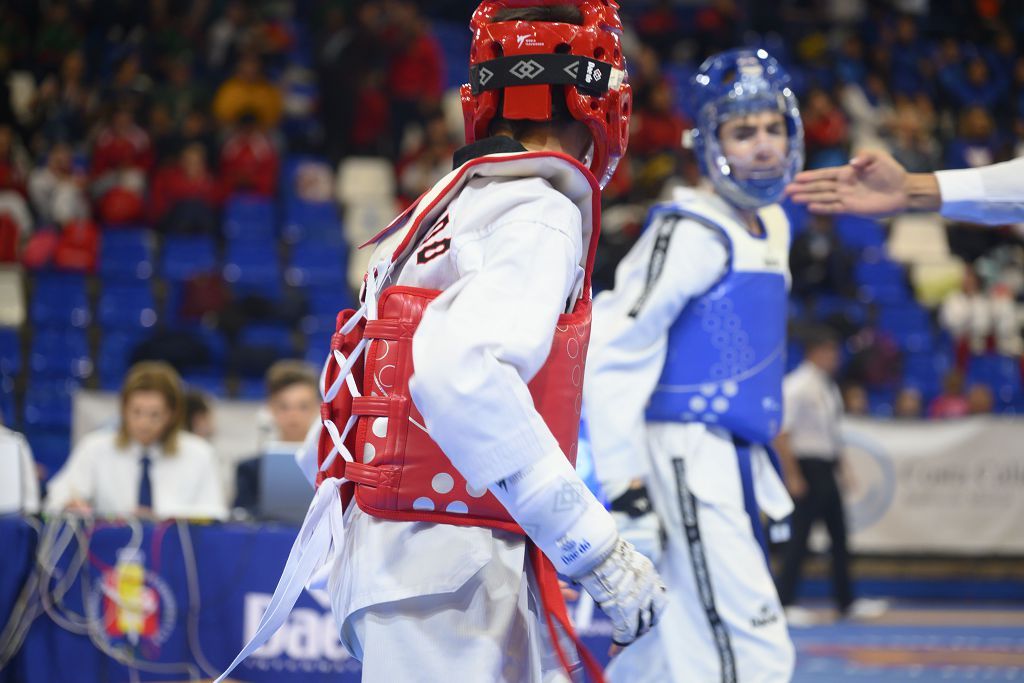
column 748, row 137
column 537, row 62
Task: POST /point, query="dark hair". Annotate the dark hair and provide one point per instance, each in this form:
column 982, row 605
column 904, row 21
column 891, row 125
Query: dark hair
column 818, row 336
column 563, row 14
column 196, row 404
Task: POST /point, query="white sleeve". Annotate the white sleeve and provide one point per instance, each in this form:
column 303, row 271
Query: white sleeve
column 29, row 480
column 206, row 499
column 674, row 261
column 485, row 337
column 74, row 481
column 794, row 400
column 991, row 194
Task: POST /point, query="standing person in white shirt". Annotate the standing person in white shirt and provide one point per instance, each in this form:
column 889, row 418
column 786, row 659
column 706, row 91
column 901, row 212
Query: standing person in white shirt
column 457, row 427
column 19, row 481
column 810, row 446
column 684, row 385
column 149, row 466
column 875, row 185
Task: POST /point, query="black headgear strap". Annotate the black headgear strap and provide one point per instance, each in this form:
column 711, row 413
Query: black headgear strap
column 588, row 75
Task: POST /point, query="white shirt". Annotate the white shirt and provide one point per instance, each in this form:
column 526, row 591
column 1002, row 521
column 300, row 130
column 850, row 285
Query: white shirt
column 991, row 194
column 19, row 486
column 184, row 484
column 812, row 407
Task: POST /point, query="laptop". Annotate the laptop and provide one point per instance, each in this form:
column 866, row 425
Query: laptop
column 285, row 494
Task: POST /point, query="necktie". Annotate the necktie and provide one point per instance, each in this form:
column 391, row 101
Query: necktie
column 145, row 486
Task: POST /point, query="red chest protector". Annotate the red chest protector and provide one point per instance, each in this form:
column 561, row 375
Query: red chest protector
column 398, row 472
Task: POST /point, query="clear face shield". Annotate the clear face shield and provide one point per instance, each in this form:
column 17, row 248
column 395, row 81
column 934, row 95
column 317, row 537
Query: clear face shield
column 753, row 143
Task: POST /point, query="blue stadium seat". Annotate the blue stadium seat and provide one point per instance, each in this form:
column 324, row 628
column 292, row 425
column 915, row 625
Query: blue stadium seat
column 908, row 323
column 925, row 371
column 252, row 268
column 7, row 415
column 454, row 40
column 210, row 382
column 251, row 389
column 185, row 256
column 50, row 447
column 125, row 255
column 59, row 300
column 48, row 404
column 328, row 301
column 60, row 354
column 882, row 280
column 316, row 264
column 248, row 217
column 859, row 233
column 276, row 337
column 312, row 221
column 126, row 306
column 10, row 351
column 114, row 356
column 1001, row 373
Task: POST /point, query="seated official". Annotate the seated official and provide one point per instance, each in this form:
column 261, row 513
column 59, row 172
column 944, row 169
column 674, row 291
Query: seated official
column 149, row 466
column 293, row 399
column 19, row 481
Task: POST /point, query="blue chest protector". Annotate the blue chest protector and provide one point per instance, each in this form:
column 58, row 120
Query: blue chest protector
column 726, row 350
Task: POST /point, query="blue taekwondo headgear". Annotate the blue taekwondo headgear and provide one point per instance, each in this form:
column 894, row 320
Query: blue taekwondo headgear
column 734, row 83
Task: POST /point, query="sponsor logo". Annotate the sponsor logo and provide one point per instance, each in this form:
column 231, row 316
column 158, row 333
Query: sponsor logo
column 529, row 41
column 307, row 642
column 765, row 617
column 526, row 70
column 485, row 75
column 573, row 69
column 132, row 604
column 593, row 73
column 572, row 551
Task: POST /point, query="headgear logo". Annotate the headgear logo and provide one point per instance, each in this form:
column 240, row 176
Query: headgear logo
column 132, row 603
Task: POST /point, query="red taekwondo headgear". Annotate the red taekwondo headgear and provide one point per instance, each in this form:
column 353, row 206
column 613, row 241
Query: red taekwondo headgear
column 513, row 64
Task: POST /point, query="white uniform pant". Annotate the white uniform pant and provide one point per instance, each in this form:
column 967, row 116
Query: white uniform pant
column 490, row 628
column 724, row 622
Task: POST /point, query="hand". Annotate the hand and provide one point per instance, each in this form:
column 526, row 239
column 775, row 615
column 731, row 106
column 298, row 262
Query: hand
column 873, row 184
column 77, row 506
column 796, row 484
column 569, row 594
column 628, row 590
column 637, row 521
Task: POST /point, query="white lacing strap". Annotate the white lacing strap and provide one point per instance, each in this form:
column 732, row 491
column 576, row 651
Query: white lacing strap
column 321, row 536
column 339, row 441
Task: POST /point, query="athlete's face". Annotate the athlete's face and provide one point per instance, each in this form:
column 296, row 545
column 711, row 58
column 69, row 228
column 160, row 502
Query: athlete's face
column 755, row 143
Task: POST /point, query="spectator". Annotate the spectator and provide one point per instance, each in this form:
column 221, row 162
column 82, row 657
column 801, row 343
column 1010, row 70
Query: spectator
column 57, row 37
column 248, row 93
column 146, row 467
column 908, row 404
column 415, row 78
column 658, row 127
column 131, row 87
column 19, row 488
column 980, row 399
column 186, row 195
column 179, row 92
column 227, row 35
column 121, row 159
column 430, row 162
column 199, row 414
column 855, row 399
column 248, row 160
column 57, row 189
column 912, row 144
column 293, row 398
column 979, row 321
column 14, row 168
column 826, row 130
column 819, row 262
column 976, row 145
column 951, row 402
column 65, row 104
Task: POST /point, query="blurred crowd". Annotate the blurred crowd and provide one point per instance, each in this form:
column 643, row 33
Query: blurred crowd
column 118, row 113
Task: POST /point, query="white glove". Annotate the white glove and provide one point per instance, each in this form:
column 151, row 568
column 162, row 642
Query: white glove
column 628, row 589
column 637, row 521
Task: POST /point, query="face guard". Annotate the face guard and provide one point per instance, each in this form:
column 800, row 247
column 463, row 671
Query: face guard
column 514, row 64
column 735, row 84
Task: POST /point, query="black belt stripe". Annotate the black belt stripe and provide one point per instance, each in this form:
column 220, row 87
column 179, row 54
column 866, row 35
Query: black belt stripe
column 657, row 262
column 719, row 632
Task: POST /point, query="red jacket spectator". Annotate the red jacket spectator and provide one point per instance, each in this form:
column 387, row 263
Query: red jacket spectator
column 121, row 145
column 249, row 162
column 187, row 179
column 417, row 66
column 658, row 127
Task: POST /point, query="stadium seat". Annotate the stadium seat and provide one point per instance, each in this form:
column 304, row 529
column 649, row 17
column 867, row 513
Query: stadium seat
column 859, row 233
column 251, row 389
column 59, row 300
column 125, row 255
column 248, row 217
column 882, row 281
column 50, row 447
column 316, row 264
column 12, row 296
column 909, row 324
column 312, row 221
column 365, row 179
column 918, row 238
column 10, row 351
column 48, row 404
column 212, row 383
column 114, row 356
column 7, row 415
column 253, row 268
column 126, row 306
column 60, row 353
column 182, row 257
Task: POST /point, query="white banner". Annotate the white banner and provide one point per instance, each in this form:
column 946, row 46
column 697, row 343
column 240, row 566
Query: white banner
column 936, row 486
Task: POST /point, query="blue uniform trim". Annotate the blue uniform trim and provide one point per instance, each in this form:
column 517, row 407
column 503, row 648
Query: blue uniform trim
column 744, row 458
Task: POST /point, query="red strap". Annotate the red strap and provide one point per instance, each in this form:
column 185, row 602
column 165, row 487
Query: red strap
column 372, row 405
column 383, row 329
column 553, row 605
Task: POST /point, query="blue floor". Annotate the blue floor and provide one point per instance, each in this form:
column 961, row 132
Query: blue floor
column 885, row 652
